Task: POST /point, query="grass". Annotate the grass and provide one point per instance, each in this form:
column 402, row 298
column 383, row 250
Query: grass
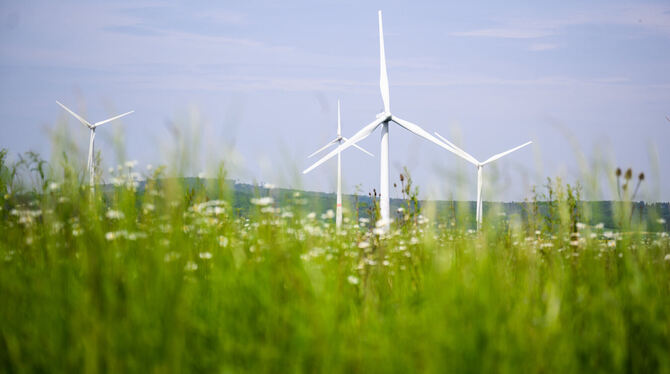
column 176, row 280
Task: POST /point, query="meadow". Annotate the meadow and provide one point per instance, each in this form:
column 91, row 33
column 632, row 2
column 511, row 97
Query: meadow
column 179, row 278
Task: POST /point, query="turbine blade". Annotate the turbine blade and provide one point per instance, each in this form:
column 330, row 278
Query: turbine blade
column 465, row 155
column 323, row 148
column 383, row 74
column 85, row 122
column 359, row 147
column 339, row 123
column 499, row 155
column 360, row 135
column 422, row 133
column 112, row 119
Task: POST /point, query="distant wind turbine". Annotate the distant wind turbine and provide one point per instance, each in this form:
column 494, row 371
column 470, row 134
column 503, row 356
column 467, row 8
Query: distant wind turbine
column 479, row 166
column 383, row 119
column 338, row 140
column 91, row 165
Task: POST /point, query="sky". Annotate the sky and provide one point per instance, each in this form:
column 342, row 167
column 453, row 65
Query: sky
column 255, row 84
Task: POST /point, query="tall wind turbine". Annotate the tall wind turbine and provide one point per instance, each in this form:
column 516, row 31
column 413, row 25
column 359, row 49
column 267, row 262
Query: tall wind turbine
column 383, row 119
column 91, row 164
column 338, row 140
column 479, row 166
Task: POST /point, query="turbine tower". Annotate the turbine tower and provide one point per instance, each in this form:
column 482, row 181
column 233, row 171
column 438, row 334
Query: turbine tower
column 91, row 165
column 383, row 119
column 479, row 166
column 338, row 140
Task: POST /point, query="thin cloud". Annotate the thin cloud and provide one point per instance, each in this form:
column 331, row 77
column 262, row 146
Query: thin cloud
column 539, row 47
column 132, row 30
column 648, row 17
column 505, row 33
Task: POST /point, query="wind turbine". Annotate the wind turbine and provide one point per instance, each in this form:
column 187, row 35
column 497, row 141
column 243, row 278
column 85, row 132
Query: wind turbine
column 338, row 140
column 479, row 166
column 383, row 119
column 91, row 165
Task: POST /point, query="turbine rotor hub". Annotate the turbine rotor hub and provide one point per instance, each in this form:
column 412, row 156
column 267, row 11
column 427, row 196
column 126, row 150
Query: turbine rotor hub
column 384, row 115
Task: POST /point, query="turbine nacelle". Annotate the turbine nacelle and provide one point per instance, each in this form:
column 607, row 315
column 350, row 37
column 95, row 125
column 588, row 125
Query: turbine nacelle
column 384, row 116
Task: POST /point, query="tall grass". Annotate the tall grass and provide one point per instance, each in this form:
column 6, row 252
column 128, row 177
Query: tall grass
column 175, row 279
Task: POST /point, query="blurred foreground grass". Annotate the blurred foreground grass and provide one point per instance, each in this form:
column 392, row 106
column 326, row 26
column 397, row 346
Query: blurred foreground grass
column 175, row 280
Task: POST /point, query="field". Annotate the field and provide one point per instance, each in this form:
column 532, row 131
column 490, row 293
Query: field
column 177, row 278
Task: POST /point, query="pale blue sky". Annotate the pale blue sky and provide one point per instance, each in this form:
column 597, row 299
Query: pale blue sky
column 259, row 81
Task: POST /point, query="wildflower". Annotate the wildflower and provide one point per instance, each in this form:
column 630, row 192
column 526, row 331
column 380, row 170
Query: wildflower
column 53, row 186
column 611, row 243
column 386, row 263
column 269, row 186
column 268, row 209
column 263, row 201
column 608, row 234
column 414, row 240
column 600, row 226
column 312, row 215
column 330, row 214
column 352, row 280
column 223, row 241
column 546, row 245
column 363, row 245
column 363, row 220
column 667, row 257
column 629, row 174
column 382, row 223
column 110, row 236
column 191, row 266
column 580, row 226
column 661, row 221
column 130, row 164
column 574, row 243
column 205, row 255
column 114, row 214
column 149, row 167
